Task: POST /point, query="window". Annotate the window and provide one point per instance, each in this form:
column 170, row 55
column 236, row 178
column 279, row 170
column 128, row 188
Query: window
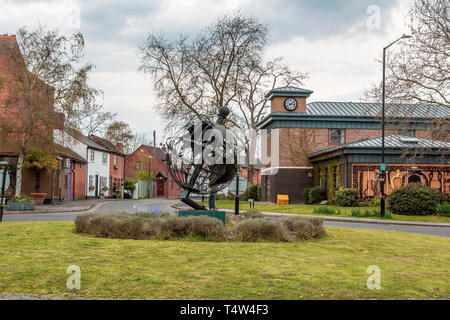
column 91, row 181
column 115, row 160
column 171, row 184
column 410, row 133
column 104, row 158
column 139, row 165
column 92, row 155
column 336, row 136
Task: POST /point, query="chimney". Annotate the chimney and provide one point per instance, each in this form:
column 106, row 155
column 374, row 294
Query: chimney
column 119, row 145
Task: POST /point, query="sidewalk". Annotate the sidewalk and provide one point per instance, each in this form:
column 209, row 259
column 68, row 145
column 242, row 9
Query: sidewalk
column 65, row 206
column 342, row 219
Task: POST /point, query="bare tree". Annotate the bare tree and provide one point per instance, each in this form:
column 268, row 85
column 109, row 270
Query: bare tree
column 222, row 65
column 196, row 76
column 419, row 72
column 251, row 100
column 94, row 119
column 47, row 88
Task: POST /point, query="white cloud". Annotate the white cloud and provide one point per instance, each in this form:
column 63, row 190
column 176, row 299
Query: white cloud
column 64, row 15
column 341, row 66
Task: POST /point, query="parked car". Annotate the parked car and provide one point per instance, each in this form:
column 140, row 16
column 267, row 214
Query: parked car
column 127, row 194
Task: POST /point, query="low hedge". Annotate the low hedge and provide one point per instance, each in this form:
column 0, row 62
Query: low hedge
column 252, row 226
column 347, row 198
column 414, row 199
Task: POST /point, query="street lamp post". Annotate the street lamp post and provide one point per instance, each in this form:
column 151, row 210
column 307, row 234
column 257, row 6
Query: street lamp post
column 383, row 164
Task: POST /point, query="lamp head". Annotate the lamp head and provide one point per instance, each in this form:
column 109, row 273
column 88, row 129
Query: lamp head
column 406, row 36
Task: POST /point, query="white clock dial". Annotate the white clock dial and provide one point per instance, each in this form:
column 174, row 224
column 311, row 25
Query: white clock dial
column 290, row 104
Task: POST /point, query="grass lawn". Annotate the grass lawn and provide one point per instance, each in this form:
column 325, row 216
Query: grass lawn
column 34, row 257
column 308, row 209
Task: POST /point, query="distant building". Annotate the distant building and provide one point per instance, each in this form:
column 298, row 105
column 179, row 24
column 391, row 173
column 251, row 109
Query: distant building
column 116, row 163
column 337, row 145
column 150, row 159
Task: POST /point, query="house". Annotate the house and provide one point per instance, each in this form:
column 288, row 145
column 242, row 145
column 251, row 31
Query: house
column 337, row 145
column 98, row 160
column 152, row 159
column 116, row 163
column 15, row 118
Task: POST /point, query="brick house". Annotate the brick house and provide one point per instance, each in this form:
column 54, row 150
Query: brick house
column 148, row 158
column 314, row 138
column 116, row 163
column 14, row 115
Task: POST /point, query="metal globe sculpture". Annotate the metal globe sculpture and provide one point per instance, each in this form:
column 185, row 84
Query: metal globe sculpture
column 201, row 160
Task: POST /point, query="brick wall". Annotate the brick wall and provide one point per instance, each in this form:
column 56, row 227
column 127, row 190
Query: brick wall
column 290, row 148
column 116, row 172
column 142, row 154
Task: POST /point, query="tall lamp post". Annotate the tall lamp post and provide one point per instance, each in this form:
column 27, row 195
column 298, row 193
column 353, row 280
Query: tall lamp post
column 383, row 164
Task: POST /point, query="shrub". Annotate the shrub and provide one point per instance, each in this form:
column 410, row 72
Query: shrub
column 148, row 226
column 375, row 202
column 307, row 195
column 19, row 198
column 129, row 185
column 201, row 226
column 443, row 197
column 251, row 226
column 443, row 209
column 305, row 229
column 254, row 192
column 317, row 194
column 261, row 229
column 347, row 198
column 326, row 210
column 414, row 199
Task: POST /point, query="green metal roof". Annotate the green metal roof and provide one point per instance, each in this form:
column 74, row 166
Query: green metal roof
column 393, row 142
column 288, row 92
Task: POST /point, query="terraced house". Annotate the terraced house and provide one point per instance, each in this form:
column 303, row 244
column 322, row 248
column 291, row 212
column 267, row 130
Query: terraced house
column 338, row 145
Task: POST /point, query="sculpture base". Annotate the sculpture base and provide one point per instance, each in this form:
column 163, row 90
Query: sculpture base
column 214, row 214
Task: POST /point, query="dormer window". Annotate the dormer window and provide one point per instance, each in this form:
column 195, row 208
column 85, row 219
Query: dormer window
column 409, row 140
column 336, row 136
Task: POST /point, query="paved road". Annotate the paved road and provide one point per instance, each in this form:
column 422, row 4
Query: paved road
column 132, row 206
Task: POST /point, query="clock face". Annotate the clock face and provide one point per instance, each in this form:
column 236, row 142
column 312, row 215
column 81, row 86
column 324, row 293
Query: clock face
column 290, row 104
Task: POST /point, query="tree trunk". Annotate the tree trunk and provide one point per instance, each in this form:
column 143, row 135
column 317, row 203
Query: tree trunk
column 19, row 172
column 250, row 174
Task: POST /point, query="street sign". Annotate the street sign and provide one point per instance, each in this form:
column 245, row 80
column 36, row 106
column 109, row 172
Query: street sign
column 242, row 186
column 382, row 166
column 7, row 180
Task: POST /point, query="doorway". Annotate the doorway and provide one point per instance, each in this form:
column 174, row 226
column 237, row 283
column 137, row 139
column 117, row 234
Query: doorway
column 160, row 187
column 414, row 179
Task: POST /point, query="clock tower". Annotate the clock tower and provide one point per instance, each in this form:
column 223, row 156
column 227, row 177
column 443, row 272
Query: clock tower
column 288, row 99
column 286, row 170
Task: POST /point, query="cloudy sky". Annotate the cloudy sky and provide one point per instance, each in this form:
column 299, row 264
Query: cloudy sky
column 336, row 41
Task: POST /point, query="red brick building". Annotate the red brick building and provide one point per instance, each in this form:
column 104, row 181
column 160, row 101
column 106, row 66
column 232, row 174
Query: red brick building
column 15, row 120
column 311, row 142
column 147, row 158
